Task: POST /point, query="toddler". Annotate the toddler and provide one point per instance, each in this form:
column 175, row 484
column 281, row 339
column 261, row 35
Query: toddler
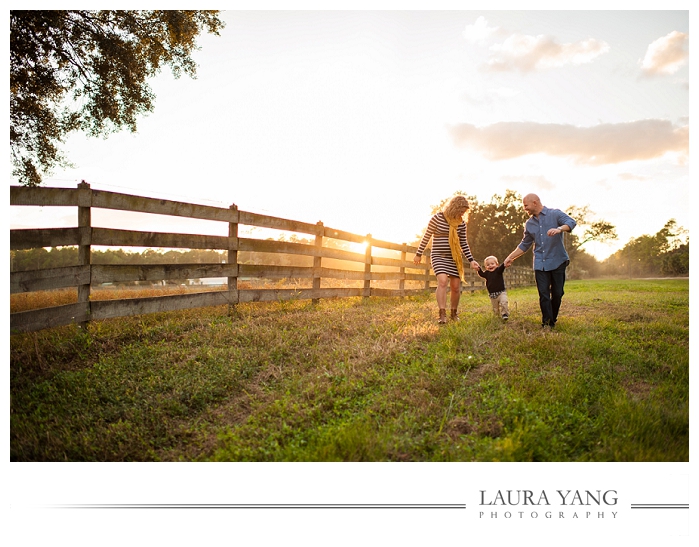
column 495, row 284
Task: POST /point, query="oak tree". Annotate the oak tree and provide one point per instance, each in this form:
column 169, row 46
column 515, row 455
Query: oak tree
column 88, row 70
column 592, row 230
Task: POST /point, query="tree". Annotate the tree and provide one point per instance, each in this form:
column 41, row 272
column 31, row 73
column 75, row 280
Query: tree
column 666, row 252
column 593, row 230
column 494, row 228
column 676, row 261
column 497, row 227
column 88, row 70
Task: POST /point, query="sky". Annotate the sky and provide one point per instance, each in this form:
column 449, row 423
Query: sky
column 365, row 120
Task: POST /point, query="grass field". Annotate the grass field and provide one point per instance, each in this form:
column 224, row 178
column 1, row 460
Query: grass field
column 356, row 380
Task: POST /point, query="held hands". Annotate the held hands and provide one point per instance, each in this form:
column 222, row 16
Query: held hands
column 508, row 262
column 475, row 265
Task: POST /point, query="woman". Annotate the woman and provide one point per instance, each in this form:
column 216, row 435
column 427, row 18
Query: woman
column 449, row 245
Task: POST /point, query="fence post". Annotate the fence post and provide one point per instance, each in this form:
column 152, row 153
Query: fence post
column 403, row 258
column 85, row 229
column 233, row 297
column 367, row 267
column 317, row 260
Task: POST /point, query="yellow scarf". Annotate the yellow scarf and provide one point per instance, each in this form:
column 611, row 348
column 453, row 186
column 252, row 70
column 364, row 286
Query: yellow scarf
column 455, row 245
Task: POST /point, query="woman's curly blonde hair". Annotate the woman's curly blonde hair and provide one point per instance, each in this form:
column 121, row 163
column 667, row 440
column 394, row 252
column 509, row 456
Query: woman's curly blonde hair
column 454, row 206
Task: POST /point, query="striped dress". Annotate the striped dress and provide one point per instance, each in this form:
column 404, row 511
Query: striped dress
column 442, row 261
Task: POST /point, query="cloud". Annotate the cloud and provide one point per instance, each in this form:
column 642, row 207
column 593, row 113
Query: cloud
column 598, row 145
column 666, row 55
column 479, row 32
column 538, row 182
column 632, row 177
column 529, row 53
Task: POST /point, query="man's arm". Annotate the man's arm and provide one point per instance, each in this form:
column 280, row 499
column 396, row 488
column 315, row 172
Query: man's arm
column 513, row 256
column 556, row 231
column 523, row 247
column 565, row 224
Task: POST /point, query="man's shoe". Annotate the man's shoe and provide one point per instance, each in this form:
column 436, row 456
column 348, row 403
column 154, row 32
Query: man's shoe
column 442, row 316
column 454, row 315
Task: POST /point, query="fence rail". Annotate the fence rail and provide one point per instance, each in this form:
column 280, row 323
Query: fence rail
column 382, row 261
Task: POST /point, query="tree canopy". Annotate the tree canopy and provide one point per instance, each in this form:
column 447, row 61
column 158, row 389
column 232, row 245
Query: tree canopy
column 496, row 228
column 88, row 70
column 592, row 230
column 664, row 253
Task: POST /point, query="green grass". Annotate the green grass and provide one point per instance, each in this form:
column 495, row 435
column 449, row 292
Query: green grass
column 356, row 380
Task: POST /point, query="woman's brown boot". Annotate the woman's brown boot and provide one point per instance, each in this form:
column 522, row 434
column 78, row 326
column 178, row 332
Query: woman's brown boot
column 442, row 316
column 454, row 315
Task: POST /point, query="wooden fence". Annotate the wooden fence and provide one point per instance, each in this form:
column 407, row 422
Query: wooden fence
column 87, row 276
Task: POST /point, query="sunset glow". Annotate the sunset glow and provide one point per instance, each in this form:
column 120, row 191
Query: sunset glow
column 365, row 120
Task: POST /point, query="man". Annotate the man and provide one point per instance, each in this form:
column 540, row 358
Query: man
column 544, row 230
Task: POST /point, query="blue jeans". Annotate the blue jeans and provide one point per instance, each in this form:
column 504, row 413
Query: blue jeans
column 550, row 286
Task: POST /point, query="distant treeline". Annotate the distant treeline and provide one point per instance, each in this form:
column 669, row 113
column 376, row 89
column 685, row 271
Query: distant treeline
column 41, row 258
column 494, row 228
column 35, row 259
column 665, row 253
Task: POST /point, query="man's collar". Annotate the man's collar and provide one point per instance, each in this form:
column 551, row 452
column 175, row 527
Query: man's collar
column 542, row 212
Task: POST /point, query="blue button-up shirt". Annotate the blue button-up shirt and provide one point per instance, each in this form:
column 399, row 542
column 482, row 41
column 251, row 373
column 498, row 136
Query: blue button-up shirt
column 549, row 252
